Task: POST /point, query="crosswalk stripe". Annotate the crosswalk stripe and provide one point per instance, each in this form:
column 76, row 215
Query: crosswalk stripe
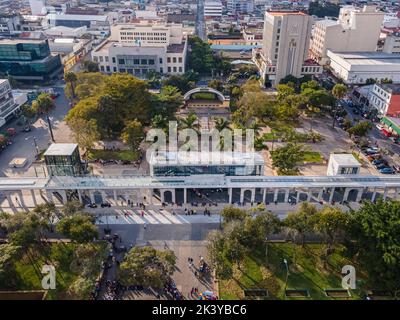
column 149, row 218
column 134, row 218
column 159, row 217
column 170, row 217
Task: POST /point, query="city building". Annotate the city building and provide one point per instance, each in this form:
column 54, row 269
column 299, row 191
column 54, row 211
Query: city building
column 29, row 60
column 63, row 159
column 386, row 99
column 357, row 67
column 212, row 9
column 284, row 52
column 139, row 48
column 38, row 7
column 392, row 43
column 356, row 30
column 342, row 163
column 9, row 23
column 240, row 6
column 8, row 107
column 66, row 32
column 185, row 163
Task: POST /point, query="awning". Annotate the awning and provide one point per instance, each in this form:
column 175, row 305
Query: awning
column 391, row 124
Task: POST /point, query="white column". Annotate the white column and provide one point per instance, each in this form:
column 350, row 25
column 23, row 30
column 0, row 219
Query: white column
column 184, row 195
column 276, row 194
column 264, row 194
column 173, row 193
column 253, row 195
column 63, row 195
column 287, row 195
column 151, row 196
column 373, row 195
column 91, row 194
column 34, row 197
column 241, row 195
column 9, row 199
column 298, row 196
column 49, row 195
column 230, row 190
column 346, row 194
column 359, row 194
column 332, row 194
column 385, row 194
column 162, row 195
column 103, row 196
column 309, row 195
column 115, row 196
column 320, row 193
column 79, row 195
column 21, row 198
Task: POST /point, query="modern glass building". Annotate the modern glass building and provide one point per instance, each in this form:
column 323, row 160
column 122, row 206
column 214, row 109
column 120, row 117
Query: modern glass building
column 29, row 60
column 184, row 163
column 63, row 159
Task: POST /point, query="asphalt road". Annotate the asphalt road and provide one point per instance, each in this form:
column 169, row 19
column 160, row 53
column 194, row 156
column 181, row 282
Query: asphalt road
column 200, row 23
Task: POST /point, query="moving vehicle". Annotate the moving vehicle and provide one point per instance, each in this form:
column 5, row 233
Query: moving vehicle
column 387, row 170
column 92, row 205
column 105, row 205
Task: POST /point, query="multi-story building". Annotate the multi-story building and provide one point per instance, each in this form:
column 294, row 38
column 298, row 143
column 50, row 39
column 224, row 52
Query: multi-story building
column 357, row 67
column 240, row 6
column 28, row 60
column 213, row 9
column 38, row 7
column 356, row 30
column 139, row 48
column 8, row 107
column 386, row 99
column 392, row 43
column 10, row 23
column 284, row 52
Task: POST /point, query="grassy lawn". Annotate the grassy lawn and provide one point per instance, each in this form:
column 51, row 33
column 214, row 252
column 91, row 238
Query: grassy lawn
column 204, row 96
column 307, row 273
column 28, row 269
column 127, row 155
column 313, row 156
column 359, row 159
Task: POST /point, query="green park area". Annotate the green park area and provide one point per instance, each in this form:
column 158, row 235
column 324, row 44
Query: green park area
column 204, row 96
column 307, row 271
column 123, row 155
column 312, row 157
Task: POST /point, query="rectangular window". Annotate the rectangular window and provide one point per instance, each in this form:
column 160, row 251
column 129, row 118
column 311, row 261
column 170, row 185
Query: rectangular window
column 113, row 59
column 180, row 69
column 169, row 60
column 106, row 58
column 160, row 60
column 151, row 61
column 135, row 61
column 101, row 68
column 108, row 68
column 174, row 69
column 180, row 59
column 115, row 69
column 101, row 59
column 174, row 59
column 122, row 70
column 121, row 61
column 169, row 69
column 143, row 61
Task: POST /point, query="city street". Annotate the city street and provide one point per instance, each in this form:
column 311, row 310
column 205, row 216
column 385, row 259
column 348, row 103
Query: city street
column 23, row 144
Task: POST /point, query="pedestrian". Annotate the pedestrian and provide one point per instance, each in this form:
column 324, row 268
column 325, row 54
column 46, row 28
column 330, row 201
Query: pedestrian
column 195, row 273
column 191, row 291
column 142, row 214
column 144, row 226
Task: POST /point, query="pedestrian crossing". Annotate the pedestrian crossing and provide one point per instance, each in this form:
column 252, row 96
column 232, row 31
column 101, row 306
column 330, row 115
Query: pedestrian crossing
column 161, row 216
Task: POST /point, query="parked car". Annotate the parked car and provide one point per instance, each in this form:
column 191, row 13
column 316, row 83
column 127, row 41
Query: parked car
column 92, row 205
column 381, row 166
column 378, row 161
column 105, row 204
column 387, row 170
column 379, row 126
column 27, row 129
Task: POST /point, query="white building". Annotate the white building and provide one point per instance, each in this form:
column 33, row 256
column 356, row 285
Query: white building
column 66, row 32
column 286, row 39
column 385, row 98
column 213, row 8
column 8, row 106
column 139, row 48
column 240, row 6
column 355, row 31
column 392, row 43
column 357, row 67
column 38, row 7
column 342, row 163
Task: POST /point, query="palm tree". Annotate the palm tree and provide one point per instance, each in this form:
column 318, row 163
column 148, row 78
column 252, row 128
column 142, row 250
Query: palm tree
column 190, row 122
column 338, row 91
column 159, row 122
column 222, row 124
column 256, row 127
column 43, row 105
column 71, row 78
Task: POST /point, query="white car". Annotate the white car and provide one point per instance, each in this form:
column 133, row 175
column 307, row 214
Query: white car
column 379, row 126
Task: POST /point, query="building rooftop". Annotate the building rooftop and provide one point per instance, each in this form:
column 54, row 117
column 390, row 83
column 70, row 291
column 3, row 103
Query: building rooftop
column 61, row 149
column 390, row 87
column 176, row 48
column 285, row 13
column 345, row 159
column 367, row 58
column 19, row 40
column 77, row 17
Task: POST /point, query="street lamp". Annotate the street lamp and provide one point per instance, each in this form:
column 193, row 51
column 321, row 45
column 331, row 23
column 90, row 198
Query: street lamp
column 287, row 274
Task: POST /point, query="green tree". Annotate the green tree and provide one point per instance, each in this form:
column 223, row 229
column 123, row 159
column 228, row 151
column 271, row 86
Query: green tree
column 338, row 91
column 79, row 228
column 231, row 213
column 189, row 122
column 9, row 254
column 43, row 105
column 286, row 158
column 147, row 266
column 90, row 66
column 360, row 129
column 132, row 134
column 47, row 212
column 71, row 208
column 179, row 81
column 85, row 132
column 375, row 230
column 216, row 84
column 215, row 249
column 167, row 102
column 159, row 122
column 71, row 78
